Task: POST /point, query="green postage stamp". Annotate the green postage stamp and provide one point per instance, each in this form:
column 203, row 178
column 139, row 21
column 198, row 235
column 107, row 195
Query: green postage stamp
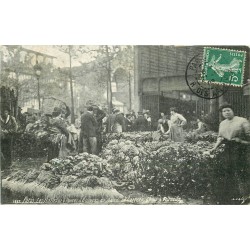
column 224, row 66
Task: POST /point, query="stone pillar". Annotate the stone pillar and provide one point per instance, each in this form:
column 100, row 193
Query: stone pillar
column 221, row 100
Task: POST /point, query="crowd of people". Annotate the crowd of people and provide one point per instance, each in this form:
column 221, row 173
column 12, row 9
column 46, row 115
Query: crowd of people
column 117, row 122
column 95, row 122
column 86, row 135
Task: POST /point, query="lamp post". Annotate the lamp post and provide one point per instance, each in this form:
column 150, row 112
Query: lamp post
column 38, row 70
column 109, row 89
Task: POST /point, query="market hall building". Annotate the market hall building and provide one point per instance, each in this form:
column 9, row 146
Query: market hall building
column 160, row 83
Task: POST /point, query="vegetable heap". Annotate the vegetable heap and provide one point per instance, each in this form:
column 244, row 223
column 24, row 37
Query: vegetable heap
column 208, row 136
column 128, row 161
column 163, row 168
column 75, row 174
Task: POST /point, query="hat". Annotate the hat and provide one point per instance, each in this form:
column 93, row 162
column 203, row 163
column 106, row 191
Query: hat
column 90, row 103
column 225, row 105
column 145, row 111
column 173, row 109
column 116, row 110
column 56, row 111
column 6, row 109
column 90, row 108
column 95, row 106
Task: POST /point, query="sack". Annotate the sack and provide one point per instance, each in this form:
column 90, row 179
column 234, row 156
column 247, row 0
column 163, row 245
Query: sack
column 156, row 135
column 117, row 128
column 49, row 103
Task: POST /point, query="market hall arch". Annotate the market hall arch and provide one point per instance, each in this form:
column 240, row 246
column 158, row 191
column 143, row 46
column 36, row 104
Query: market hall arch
column 122, row 86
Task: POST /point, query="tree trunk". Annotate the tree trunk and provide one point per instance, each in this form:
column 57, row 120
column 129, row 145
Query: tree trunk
column 17, row 95
column 71, row 90
column 129, row 86
column 109, row 90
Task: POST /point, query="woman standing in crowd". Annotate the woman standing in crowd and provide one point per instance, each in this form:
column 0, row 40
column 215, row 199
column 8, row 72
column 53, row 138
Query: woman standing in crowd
column 177, row 121
column 119, row 122
column 160, row 127
column 201, row 126
column 166, row 123
column 147, row 116
column 233, row 175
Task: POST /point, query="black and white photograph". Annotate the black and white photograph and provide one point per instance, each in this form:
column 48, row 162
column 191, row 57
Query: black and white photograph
column 125, row 124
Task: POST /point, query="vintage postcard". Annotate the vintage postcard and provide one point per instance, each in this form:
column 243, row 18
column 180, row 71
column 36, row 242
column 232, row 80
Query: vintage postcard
column 125, row 124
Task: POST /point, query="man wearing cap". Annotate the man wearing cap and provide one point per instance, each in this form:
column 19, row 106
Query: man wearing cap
column 89, row 131
column 99, row 114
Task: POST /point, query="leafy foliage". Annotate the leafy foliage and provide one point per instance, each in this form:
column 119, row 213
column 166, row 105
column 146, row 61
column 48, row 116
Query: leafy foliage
column 209, row 136
column 157, row 168
column 164, row 168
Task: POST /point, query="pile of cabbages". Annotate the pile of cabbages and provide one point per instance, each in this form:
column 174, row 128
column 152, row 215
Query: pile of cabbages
column 163, row 168
column 83, row 170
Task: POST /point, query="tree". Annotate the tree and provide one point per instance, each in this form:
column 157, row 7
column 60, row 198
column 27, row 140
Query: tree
column 94, row 77
column 17, row 72
column 73, row 52
column 100, row 72
column 104, row 56
column 11, row 68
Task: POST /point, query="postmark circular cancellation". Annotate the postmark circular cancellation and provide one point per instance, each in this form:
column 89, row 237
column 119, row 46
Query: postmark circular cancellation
column 210, row 74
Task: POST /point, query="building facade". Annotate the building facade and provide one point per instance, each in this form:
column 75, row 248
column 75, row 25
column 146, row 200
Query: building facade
column 160, row 83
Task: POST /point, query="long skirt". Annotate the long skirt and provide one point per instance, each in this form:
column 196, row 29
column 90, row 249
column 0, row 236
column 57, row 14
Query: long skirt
column 232, row 178
column 176, row 133
column 53, row 151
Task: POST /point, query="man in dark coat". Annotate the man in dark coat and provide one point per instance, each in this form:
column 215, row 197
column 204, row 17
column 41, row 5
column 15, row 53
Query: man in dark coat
column 99, row 114
column 89, row 131
column 128, row 123
column 141, row 123
column 80, row 146
column 8, row 129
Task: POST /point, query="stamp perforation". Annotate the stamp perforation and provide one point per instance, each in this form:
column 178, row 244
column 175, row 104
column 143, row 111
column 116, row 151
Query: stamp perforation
column 224, row 83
